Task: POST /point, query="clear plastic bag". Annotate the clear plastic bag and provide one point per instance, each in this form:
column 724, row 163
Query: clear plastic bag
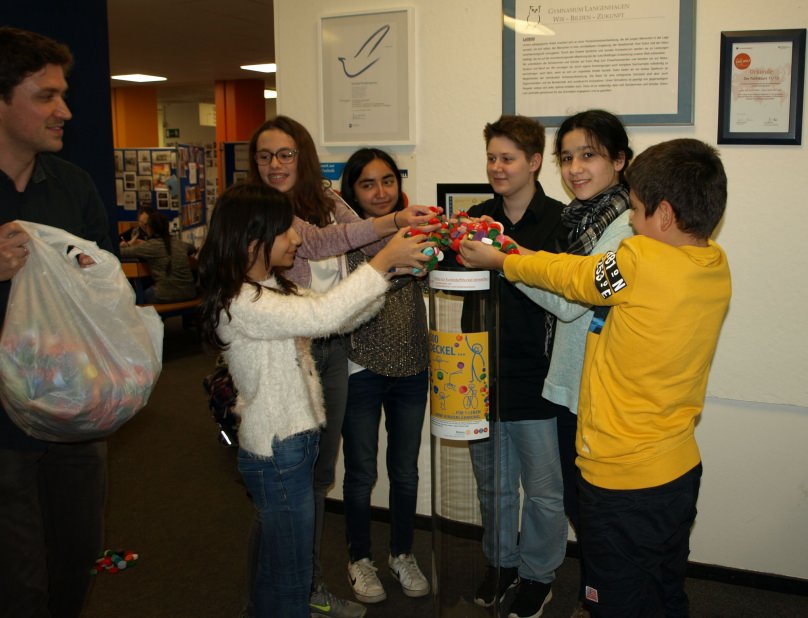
column 78, row 358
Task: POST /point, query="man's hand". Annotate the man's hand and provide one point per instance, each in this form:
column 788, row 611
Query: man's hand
column 84, row 260
column 13, row 252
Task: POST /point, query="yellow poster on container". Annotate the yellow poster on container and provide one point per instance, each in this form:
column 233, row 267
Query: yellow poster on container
column 459, row 385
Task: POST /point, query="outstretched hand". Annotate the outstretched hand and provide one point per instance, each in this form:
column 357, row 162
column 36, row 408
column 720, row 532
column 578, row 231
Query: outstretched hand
column 402, row 252
column 423, row 217
column 476, row 254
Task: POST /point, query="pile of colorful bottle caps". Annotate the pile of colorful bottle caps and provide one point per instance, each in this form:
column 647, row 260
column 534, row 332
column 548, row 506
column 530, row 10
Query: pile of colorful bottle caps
column 114, row 561
column 452, row 231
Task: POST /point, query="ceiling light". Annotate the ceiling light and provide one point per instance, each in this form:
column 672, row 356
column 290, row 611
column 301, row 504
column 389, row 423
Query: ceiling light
column 270, row 94
column 269, row 67
column 520, row 26
column 137, row 77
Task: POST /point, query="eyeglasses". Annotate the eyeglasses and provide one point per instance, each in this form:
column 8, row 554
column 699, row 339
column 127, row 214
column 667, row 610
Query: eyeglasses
column 285, row 156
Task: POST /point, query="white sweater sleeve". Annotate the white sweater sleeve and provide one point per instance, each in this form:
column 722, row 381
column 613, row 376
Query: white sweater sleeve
column 307, row 314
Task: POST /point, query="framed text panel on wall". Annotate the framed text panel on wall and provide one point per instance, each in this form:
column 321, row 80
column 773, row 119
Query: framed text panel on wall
column 367, row 73
column 634, row 59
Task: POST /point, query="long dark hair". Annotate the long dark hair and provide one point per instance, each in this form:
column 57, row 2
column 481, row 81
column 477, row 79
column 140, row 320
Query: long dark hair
column 353, row 172
column 603, row 130
column 158, row 228
column 244, row 213
column 308, row 194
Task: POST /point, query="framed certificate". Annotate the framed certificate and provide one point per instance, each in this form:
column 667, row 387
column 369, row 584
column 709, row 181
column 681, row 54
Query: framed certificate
column 367, row 64
column 761, row 87
column 459, row 197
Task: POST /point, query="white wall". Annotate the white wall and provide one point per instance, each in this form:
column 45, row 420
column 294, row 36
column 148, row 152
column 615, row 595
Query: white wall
column 753, row 510
column 185, row 117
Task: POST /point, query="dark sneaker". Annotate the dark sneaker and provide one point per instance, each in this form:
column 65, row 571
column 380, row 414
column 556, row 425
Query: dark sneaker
column 323, row 604
column 531, row 597
column 490, row 589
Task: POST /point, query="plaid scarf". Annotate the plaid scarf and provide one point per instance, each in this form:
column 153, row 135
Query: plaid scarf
column 588, row 219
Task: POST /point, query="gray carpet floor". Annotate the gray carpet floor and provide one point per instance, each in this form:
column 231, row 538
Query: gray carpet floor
column 175, row 498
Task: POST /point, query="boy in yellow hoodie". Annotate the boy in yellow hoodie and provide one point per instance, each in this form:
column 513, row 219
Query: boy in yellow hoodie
column 661, row 299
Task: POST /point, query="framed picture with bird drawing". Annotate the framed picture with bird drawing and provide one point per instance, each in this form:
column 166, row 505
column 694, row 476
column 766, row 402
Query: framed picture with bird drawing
column 367, row 72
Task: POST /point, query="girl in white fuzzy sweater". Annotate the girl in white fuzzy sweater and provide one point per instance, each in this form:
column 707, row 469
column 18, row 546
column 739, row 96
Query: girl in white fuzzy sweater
column 262, row 321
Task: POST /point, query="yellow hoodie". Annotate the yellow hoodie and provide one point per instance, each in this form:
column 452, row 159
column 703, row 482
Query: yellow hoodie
column 645, row 369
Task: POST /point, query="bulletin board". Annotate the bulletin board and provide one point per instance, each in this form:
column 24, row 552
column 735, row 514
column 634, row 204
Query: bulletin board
column 170, row 180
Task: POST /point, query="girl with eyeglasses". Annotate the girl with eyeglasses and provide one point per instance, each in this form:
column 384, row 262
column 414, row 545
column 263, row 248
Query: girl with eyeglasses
column 283, row 155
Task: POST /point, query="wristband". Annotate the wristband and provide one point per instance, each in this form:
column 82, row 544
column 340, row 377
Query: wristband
column 395, row 221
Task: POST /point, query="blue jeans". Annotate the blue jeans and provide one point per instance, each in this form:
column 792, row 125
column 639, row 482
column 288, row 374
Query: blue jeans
column 404, row 401
column 528, row 450
column 282, row 492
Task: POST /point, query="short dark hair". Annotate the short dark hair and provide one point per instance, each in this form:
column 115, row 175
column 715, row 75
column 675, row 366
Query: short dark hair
column 526, row 133
column 310, row 200
column 689, row 175
column 602, row 129
column 352, row 172
column 244, row 213
column 23, row 53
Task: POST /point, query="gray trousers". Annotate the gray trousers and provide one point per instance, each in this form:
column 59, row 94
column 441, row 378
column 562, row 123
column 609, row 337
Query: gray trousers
column 331, row 356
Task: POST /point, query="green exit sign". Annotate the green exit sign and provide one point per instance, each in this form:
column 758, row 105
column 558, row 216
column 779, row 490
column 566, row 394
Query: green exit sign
column 172, row 133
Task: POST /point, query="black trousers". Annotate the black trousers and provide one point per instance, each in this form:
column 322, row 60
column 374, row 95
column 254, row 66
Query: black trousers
column 636, row 544
column 51, row 527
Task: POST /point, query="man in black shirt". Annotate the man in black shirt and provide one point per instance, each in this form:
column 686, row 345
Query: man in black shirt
column 52, row 494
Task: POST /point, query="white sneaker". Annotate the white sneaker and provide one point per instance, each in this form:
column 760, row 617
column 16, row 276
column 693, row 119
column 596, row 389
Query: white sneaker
column 405, row 569
column 364, row 581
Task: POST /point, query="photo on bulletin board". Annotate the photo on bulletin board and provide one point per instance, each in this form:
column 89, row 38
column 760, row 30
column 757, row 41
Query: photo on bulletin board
column 367, row 78
column 130, row 181
column 639, row 60
column 144, row 168
column 119, row 191
column 118, row 154
column 160, row 174
column 162, row 199
column 761, row 83
column 144, row 183
column 144, row 156
column 130, row 160
column 459, row 197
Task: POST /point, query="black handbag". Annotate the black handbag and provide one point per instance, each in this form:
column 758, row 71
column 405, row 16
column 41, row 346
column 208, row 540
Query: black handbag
column 221, row 401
